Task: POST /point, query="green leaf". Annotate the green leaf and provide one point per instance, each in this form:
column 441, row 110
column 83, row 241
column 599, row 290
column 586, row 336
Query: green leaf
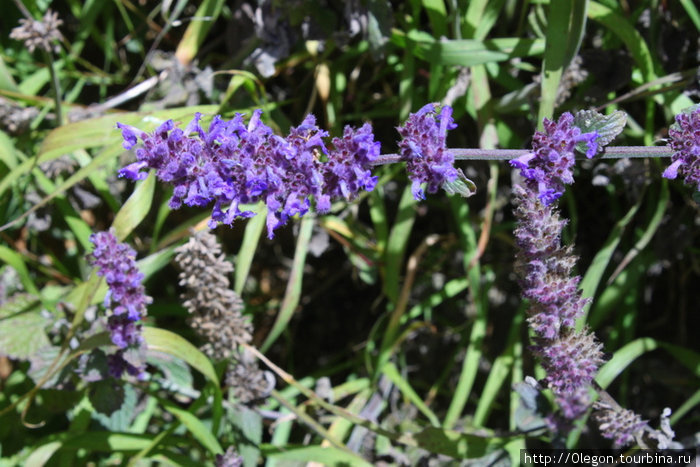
column 325, row 455
column 623, row 358
column 195, row 426
column 398, row 240
column 466, row 52
column 565, row 27
column 7, row 83
column 452, row 443
column 293, row 292
column 248, row 432
column 393, row 374
column 22, row 327
column 175, row 345
column 607, row 126
column 115, row 404
column 7, row 149
column 16, row 260
column 249, row 245
column 41, row 455
column 135, row 208
column 461, row 186
column 197, row 30
column 176, row 374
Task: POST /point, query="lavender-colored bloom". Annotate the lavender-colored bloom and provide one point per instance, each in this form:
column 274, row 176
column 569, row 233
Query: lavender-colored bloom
column 570, row 361
column 423, row 147
column 347, row 170
column 234, row 164
column 620, row 425
column 126, row 295
column 544, row 266
column 549, row 167
column 685, row 141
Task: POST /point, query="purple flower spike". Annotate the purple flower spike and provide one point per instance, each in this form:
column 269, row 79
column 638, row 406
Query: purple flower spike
column 549, row 167
column 423, row 147
column 233, row 164
column 347, row 170
column 685, row 141
column 126, row 296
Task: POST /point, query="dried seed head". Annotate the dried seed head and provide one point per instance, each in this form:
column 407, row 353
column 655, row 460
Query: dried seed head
column 248, row 382
column 216, row 309
column 39, row 33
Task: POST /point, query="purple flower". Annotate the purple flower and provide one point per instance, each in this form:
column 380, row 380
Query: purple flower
column 571, row 361
column 549, row 167
column 126, row 295
column 544, row 266
column 234, row 164
column 348, row 168
column 423, row 147
column 685, row 141
column 619, row 424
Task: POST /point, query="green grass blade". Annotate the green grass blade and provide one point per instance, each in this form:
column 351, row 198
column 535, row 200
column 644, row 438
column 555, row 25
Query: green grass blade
column 293, row 292
column 195, row 426
column 135, row 208
column 251, row 238
column 396, row 247
column 404, row 386
column 628, row 33
column 197, row 30
column 170, row 343
column 466, row 52
column 566, row 21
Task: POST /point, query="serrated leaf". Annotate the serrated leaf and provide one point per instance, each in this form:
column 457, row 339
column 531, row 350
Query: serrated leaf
column 41, row 361
column 607, row 126
column 123, row 408
column 461, row 186
column 106, row 396
column 248, row 429
column 176, row 373
column 22, row 331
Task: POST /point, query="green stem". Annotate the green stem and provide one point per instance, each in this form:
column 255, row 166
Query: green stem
column 56, row 85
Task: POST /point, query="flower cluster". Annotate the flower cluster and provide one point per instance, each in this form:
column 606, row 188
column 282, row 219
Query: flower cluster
column 549, row 166
column 216, row 309
column 233, row 164
column 126, row 297
column 685, row 141
column 571, row 359
column 620, row 425
column 423, row 147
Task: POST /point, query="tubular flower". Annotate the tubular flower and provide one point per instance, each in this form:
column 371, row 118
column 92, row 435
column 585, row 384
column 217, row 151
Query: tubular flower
column 423, row 147
column 549, row 166
column 125, row 298
column 685, row 141
column 234, row 164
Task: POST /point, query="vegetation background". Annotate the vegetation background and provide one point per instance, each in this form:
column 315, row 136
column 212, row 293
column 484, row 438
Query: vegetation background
column 397, row 326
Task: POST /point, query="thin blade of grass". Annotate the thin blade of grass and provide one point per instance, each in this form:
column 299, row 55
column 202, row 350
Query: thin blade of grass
column 296, row 276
